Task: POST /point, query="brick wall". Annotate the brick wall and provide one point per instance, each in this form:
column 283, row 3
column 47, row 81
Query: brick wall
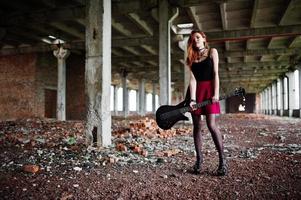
column 75, row 72
column 17, row 87
column 24, row 80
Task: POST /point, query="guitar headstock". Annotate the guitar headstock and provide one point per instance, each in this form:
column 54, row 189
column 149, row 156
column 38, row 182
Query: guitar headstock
column 240, row 92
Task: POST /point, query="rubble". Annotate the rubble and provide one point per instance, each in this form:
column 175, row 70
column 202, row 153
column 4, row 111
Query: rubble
column 47, row 147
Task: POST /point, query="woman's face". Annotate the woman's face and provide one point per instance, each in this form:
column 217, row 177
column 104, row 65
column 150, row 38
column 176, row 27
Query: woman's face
column 198, row 40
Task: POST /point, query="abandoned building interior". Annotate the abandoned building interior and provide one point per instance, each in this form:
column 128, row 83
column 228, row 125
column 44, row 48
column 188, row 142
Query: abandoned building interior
column 78, row 72
column 132, row 56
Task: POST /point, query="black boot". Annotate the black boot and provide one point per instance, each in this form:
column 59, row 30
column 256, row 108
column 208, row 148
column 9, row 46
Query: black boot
column 197, row 168
column 222, row 168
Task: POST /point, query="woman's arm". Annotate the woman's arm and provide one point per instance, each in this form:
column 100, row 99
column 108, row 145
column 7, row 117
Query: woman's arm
column 192, row 88
column 215, row 59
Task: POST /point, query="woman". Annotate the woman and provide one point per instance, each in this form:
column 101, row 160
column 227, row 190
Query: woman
column 204, row 84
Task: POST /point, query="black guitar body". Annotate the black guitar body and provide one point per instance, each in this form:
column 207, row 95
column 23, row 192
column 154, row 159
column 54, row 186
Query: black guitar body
column 166, row 121
column 167, row 116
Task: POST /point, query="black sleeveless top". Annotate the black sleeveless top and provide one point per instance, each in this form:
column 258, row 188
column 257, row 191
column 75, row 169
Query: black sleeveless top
column 203, row 70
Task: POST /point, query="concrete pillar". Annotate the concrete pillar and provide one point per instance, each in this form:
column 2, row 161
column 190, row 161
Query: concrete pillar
column 292, row 100
column 278, row 95
column 266, row 98
column 98, row 72
column 154, row 96
column 274, row 92
column 125, row 95
column 61, row 54
column 299, row 79
column 281, row 96
column 142, row 97
column 260, row 103
column 285, row 94
column 164, row 54
column 137, row 101
column 116, row 100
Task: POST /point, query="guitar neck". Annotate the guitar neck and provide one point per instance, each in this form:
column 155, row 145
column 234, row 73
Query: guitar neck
column 202, row 104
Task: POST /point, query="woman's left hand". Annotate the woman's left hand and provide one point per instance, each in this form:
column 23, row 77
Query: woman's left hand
column 215, row 98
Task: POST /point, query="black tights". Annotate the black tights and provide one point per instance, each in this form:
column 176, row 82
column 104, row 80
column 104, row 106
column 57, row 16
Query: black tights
column 215, row 133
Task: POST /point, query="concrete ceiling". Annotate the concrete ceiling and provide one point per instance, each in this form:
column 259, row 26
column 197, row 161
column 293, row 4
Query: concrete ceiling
column 257, row 40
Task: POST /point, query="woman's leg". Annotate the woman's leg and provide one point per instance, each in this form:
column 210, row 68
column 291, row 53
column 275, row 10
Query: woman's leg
column 217, row 139
column 197, row 137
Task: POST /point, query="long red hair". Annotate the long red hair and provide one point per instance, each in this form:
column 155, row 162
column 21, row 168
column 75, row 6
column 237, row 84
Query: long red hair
column 192, row 50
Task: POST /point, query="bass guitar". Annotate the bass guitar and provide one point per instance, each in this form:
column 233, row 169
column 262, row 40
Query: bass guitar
column 167, row 116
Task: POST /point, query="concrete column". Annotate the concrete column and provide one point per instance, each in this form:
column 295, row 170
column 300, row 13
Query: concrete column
column 98, row 72
column 285, row 94
column 292, row 100
column 125, row 95
column 299, row 79
column 154, row 97
column 278, row 96
column 137, row 101
column 281, row 96
column 116, row 100
column 164, row 54
column 266, row 101
column 142, row 97
column 274, row 92
column 260, row 106
column 61, row 54
column 270, row 100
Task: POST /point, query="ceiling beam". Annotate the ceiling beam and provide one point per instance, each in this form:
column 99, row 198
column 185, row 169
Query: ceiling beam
column 254, row 64
column 43, row 16
column 134, row 41
column 245, row 34
column 293, row 41
column 141, row 58
column 190, row 3
column 69, row 30
column 141, row 23
column 286, row 12
column 254, row 13
column 150, row 49
column 258, row 52
column 195, row 18
column 223, row 13
column 120, row 28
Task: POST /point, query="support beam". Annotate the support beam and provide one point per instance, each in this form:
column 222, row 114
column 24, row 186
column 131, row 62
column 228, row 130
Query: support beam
column 292, row 93
column 222, row 8
column 258, row 52
column 299, row 78
column 154, row 93
column 254, row 13
column 98, row 72
column 142, row 96
column 120, row 28
column 141, row 23
column 253, row 64
column 125, row 96
column 44, row 16
column 195, row 18
column 245, row 34
column 116, row 100
column 68, row 30
column 164, row 54
column 61, row 54
column 290, row 6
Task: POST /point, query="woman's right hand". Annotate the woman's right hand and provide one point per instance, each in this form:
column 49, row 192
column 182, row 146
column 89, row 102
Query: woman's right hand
column 192, row 105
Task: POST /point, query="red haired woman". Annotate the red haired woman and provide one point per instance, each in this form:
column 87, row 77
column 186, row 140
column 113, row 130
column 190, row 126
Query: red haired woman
column 204, row 84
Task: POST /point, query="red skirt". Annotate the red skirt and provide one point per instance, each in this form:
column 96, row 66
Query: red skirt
column 205, row 91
